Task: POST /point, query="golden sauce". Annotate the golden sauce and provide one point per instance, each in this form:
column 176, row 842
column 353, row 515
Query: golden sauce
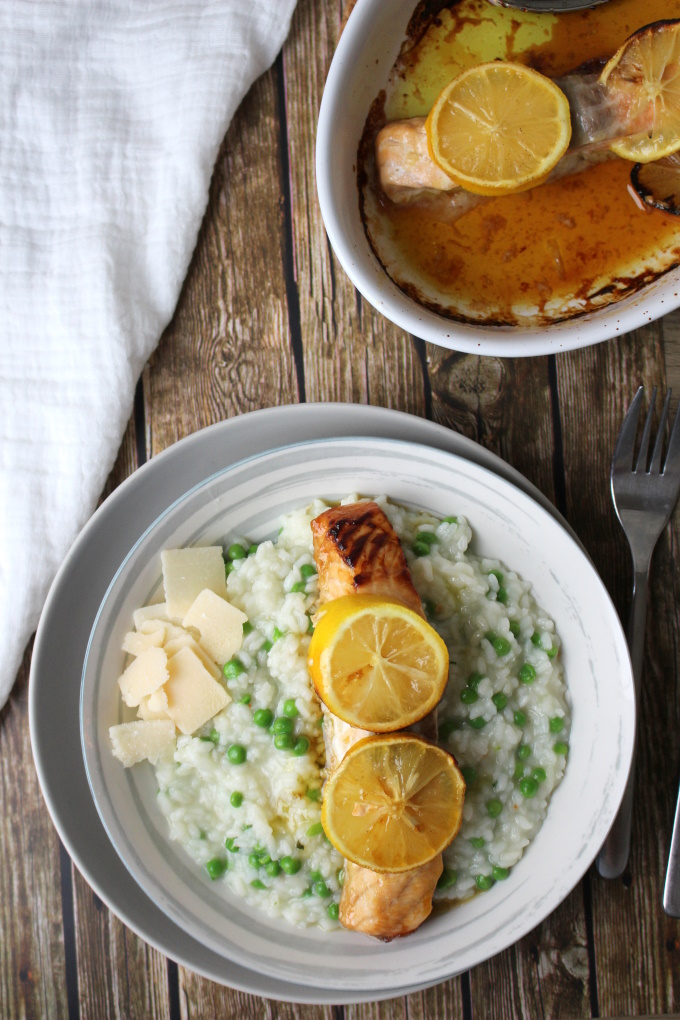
column 556, row 251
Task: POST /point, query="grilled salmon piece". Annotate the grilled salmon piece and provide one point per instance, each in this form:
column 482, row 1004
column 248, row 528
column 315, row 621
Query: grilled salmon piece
column 357, row 551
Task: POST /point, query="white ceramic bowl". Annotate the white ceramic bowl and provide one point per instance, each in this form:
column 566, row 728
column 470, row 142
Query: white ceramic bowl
column 363, row 59
column 249, row 498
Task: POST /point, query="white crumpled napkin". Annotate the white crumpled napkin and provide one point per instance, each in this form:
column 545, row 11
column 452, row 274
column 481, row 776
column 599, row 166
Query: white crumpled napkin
column 111, row 116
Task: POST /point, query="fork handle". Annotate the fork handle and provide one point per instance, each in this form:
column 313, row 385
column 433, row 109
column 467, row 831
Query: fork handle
column 613, row 857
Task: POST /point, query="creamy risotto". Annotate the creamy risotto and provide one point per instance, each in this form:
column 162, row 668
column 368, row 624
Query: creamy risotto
column 243, row 794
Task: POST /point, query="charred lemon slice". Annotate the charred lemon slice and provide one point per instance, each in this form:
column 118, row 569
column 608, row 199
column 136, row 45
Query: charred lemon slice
column 658, row 184
column 643, row 78
column 498, row 128
column 376, row 664
column 393, row 803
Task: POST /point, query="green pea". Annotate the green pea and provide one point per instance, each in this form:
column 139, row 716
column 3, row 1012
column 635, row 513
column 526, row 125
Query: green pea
column 290, row 865
column 501, row 596
column 497, row 574
column 469, row 774
column 493, row 808
column 523, row 751
column 341, row 877
column 301, row 747
column 252, row 549
column 539, row 774
column 315, row 830
column 236, row 552
column 228, row 568
column 214, row 736
column 501, row 646
column 273, row 869
column 321, row 889
column 306, row 893
column 257, row 884
column 426, row 536
column 527, row 673
column 282, row 724
column 263, row 717
column 483, row 882
column 528, row 787
column 230, row 844
column 518, row 773
column 420, row 548
column 552, row 652
column 560, row 747
column 314, row 794
column 514, row 628
column 244, row 699
column 450, row 520
column 520, row 718
column 236, row 799
column 478, row 842
column 298, row 586
column 333, row 911
column 448, row 727
column 536, row 640
column 477, row 724
column 500, row 700
column 430, row 608
column 499, row 874
column 247, row 628
column 208, row 740
column 447, row 878
column 237, row 754
column 284, row 742
column 556, row 724
column 216, row 867
column 290, row 708
column 277, row 634
column 266, row 647
column 474, row 680
column 307, row 570
column 310, row 626
column 315, row 876
column 233, row 668
column 254, row 860
column 468, row 696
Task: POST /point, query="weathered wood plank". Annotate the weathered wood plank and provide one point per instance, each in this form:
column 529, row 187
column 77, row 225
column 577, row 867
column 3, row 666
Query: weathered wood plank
column 634, row 942
column 227, row 349
column 205, row 999
column 350, row 351
column 32, row 958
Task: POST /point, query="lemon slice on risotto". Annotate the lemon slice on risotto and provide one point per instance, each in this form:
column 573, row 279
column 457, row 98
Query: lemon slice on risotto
column 393, row 803
column 376, row 664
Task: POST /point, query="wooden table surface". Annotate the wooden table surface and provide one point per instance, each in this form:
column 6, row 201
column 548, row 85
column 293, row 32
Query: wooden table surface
column 268, row 317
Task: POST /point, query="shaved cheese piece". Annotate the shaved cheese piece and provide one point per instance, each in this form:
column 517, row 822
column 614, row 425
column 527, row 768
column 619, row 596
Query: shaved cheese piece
column 185, row 640
column 134, row 642
column 156, row 612
column 135, row 741
column 219, row 623
column 154, row 627
column 193, row 696
column 154, row 706
column 186, row 572
column 146, row 674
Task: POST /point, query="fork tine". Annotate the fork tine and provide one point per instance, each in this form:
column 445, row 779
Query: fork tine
column 655, row 466
column 672, row 465
column 625, row 444
column 646, row 433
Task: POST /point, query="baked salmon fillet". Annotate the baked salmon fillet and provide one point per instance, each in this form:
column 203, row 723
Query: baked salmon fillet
column 358, row 552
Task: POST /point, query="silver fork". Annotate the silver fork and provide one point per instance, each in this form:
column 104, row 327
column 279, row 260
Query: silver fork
column 644, row 501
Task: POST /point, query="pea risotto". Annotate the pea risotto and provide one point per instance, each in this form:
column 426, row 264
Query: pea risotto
column 242, row 791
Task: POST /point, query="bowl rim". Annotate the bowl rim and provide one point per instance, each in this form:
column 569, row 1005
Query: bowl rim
column 365, row 271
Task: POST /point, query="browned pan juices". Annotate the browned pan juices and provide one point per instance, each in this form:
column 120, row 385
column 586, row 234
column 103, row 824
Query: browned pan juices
column 559, row 250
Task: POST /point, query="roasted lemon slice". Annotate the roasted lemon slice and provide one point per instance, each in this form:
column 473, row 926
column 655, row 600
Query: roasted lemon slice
column 499, row 127
column 376, row 664
column 643, row 77
column 658, row 183
column 393, row 803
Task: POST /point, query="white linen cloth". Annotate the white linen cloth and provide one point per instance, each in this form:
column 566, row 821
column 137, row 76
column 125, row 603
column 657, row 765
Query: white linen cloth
column 111, row 116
